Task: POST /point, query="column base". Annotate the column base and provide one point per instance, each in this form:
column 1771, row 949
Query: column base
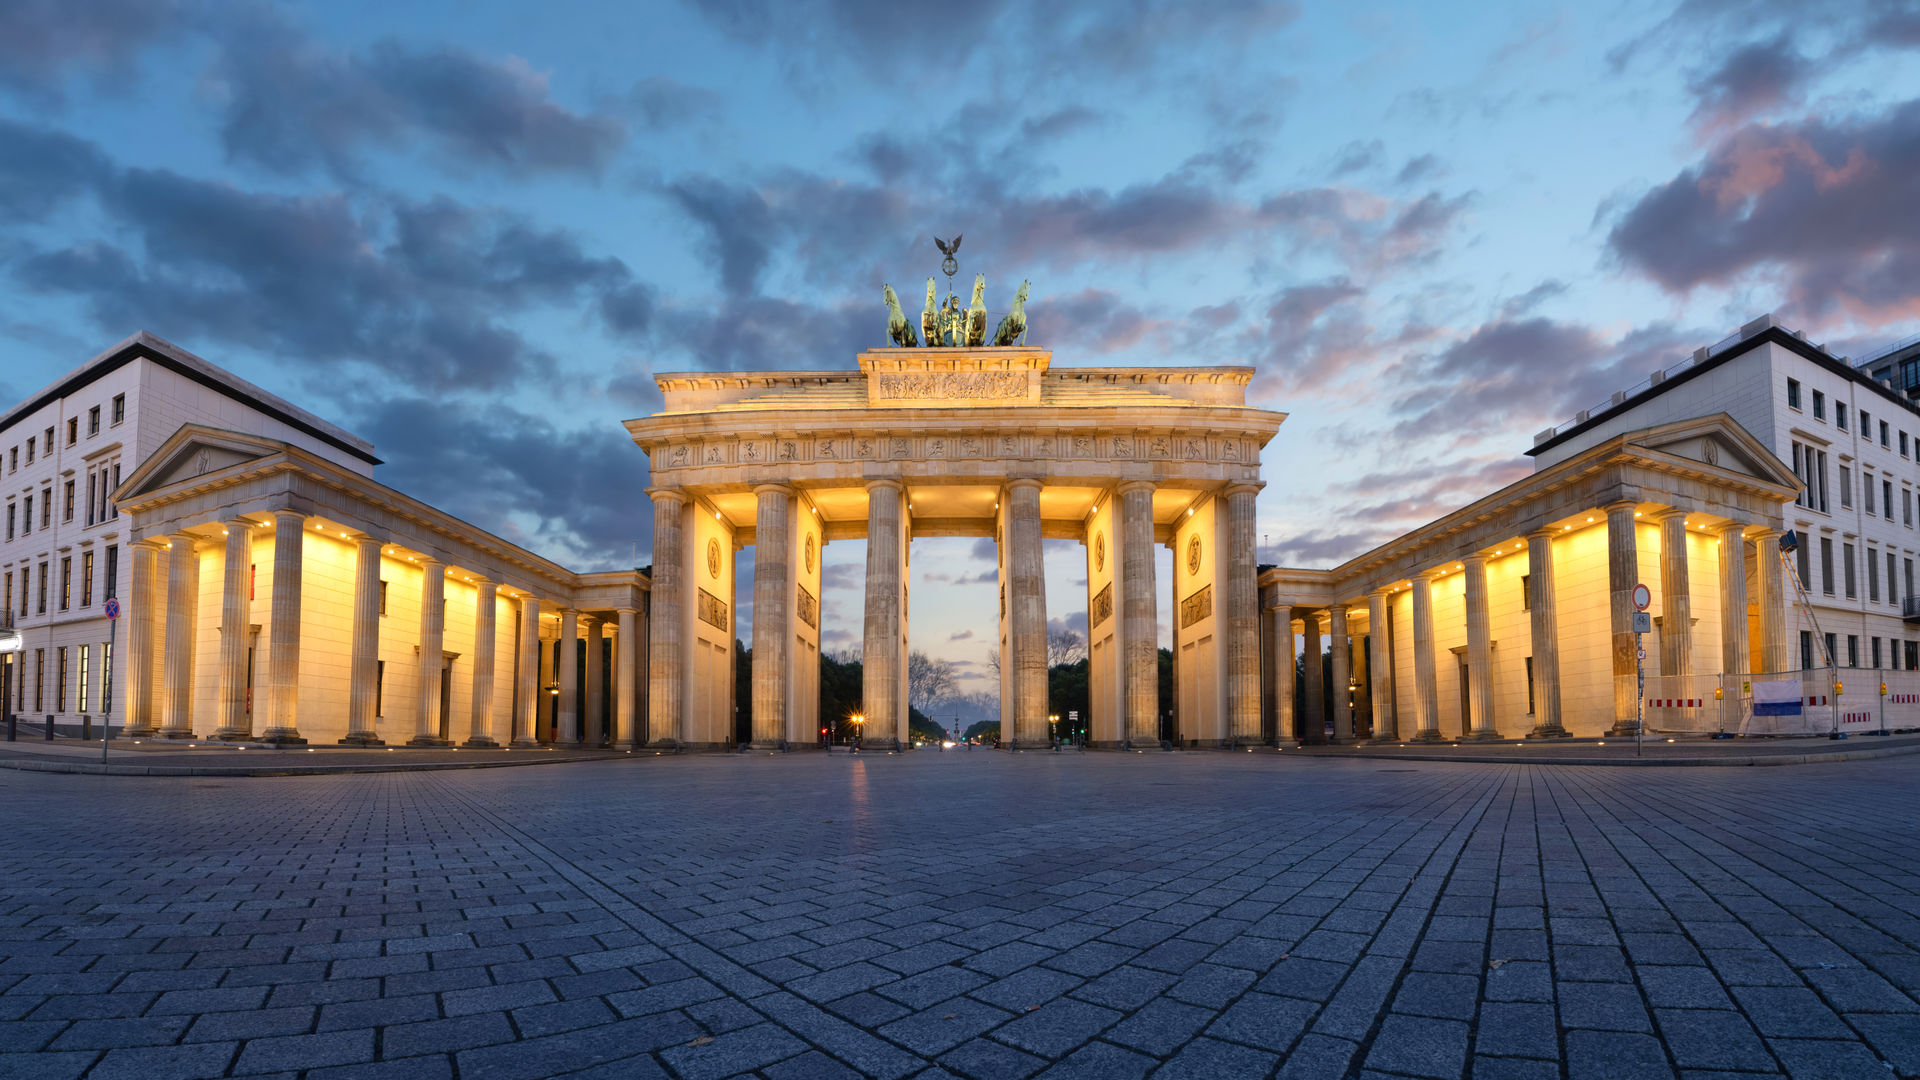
column 481, row 742
column 233, row 736
column 1428, row 736
column 429, row 740
column 174, row 735
column 880, row 746
column 526, row 743
column 362, row 738
column 290, row 738
column 767, row 746
column 1626, row 730
column 1482, row 736
column 1550, row 731
column 137, row 733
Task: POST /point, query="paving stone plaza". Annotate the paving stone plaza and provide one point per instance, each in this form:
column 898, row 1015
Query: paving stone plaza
column 969, row 914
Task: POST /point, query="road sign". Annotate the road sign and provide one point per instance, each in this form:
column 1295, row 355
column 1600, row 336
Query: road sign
column 1642, row 623
column 1642, row 596
column 112, row 609
column 1643, row 654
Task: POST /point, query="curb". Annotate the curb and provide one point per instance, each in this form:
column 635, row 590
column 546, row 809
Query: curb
column 97, row 769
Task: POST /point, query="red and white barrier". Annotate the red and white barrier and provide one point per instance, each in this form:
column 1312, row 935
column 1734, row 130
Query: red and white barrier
column 1675, row 703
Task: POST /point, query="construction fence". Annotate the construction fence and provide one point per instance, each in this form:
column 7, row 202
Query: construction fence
column 1788, row 703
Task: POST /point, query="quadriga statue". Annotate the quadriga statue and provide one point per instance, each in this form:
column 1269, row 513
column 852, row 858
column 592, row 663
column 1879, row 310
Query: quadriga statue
column 1015, row 323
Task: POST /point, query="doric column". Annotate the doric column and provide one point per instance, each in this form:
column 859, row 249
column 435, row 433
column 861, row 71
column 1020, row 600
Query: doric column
column 1342, row 673
column 1481, row 723
column 527, row 689
column 1284, row 723
column 183, row 604
column 625, row 656
column 433, row 625
column 1027, row 608
column 236, row 724
column 1242, row 596
column 485, row 634
column 363, row 663
column 283, row 646
column 566, row 721
column 666, row 659
column 138, row 669
column 1139, row 617
column 1426, row 692
column 1623, row 573
column 1548, row 721
column 1772, row 601
column 1362, row 675
column 1313, row 718
column 772, row 599
column 1676, row 601
column 593, row 707
column 1733, row 599
column 1380, row 667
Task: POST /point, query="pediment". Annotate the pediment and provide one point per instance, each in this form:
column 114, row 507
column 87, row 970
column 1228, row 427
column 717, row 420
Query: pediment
column 1719, row 442
column 195, row 451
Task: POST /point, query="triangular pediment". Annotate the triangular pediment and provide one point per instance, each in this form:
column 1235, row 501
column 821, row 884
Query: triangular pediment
column 193, row 451
column 1717, row 441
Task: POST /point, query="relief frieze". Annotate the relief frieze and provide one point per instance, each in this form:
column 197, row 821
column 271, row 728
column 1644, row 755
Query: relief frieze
column 711, row 609
column 951, row 385
column 809, row 608
column 1196, row 607
column 1102, row 607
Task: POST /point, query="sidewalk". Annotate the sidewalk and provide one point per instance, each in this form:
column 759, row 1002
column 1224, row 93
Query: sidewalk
column 1657, row 750
column 149, row 757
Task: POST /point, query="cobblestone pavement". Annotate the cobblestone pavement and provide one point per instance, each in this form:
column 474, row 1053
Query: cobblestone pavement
column 966, row 914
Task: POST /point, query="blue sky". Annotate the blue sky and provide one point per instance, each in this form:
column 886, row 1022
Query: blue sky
column 471, row 231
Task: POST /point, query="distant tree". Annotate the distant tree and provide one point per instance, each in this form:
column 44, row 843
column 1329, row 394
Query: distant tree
column 1065, row 647
column 1068, row 693
column 919, row 726
column 839, row 692
column 742, row 692
column 929, row 681
column 993, row 663
column 984, row 730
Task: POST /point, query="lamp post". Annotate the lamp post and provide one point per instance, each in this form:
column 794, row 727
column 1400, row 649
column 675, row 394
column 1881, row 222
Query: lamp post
column 1053, row 729
column 858, row 730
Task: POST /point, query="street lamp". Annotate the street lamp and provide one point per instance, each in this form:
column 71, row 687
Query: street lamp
column 858, row 720
column 1053, row 729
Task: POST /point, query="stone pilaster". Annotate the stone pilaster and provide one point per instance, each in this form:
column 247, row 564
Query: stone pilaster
column 1242, row 624
column 1380, row 667
column 1285, row 724
column 1481, row 724
column 1548, row 720
column 1139, row 617
column 1733, row 599
column 183, row 605
column 1676, row 599
column 566, row 721
column 772, row 600
column 236, row 720
column 485, row 635
column 433, row 625
column 625, row 671
column 141, row 616
column 282, row 724
column 1027, row 607
column 1772, row 600
column 1313, row 717
column 1623, row 573
column 666, row 629
column 1426, row 692
column 527, row 688
column 1342, row 649
column 883, row 649
column 593, row 707
column 363, row 663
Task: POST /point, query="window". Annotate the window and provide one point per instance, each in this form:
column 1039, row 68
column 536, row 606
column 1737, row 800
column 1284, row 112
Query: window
column 1826, row 565
column 1526, row 604
column 1819, row 405
column 40, row 601
column 1801, row 556
column 1883, row 433
column 13, row 460
column 84, row 649
column 1903, row 444
column 106, row 675
column 29, row 449
column 1875, row 650
column 93, row 428
column 119, row 407
column 1810, row 465
column 1893, row 596
column 114, row 508
column 1913, row 655
column 1853, row 650
column 1873, row 575
column 26, row 518
column 60, row 684
column 73, row 430
column 8, row 606
column 1906, row 507
column 86, row 579
column 1886, row 499
column 92, row 480
column 1847, row 571
column 46, row 448
column 1806, row 649
column 1793, row 393
column 383, row 609
column 39, row 680
column 25, row 573
column 1906, row 573
column 66, row 503
column 1840, row 416
column 10, row 513
column 1846, row 488
column 111, row 586
column 46, row 507
column 66, row 582
column 253, row 580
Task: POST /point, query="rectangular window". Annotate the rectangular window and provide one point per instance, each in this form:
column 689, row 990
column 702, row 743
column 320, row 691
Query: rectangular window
column 67, row 504
column 26, row 517
column 1806, row 649
column 111, row 586
column 114, row 508
column 30, row 461
column 86, row 579
column 253, row 579
column 84, row 649
column 1873, row 576
column 1840, row 416
column 1819, row 405
column 1883, row 435
column 60, row 683
column 13, row 465
column 1846, row 488
column 1874, row 645
column 1820, row 480
column 46, row 508
column 41, row 601
column 66, row 582
column 8, row 606
column 1833, row 651
column 10, row 510
column 1793, row 393
column 39, row 680
column 1826, row 565
column 73, row 430
column 119, row 407
column 1903, row 444
column 1886, row 499
column 93, row 428
column 92, row 482
column 1802, row 554
column 1847, row 570
column 383, row 598
column 1526, row 601
column 1866, row 491
column 1893, row 586
column 25, row 573
column 1912, row 649
column 1906, row 507
column 1853, row 650
column 106, row 675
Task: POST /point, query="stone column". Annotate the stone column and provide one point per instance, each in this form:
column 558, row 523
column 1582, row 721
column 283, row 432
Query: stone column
column 1027, row 608
column 236, row 722
column 625, row 667
column 1342, row 674
column 882, row 662
column 183, row 604
column 1363, row 723
column 485, row 634
column 594, row 704
column 1548, row 720
column 1772, row 601
column 566, row 721
column 1242, row 596
column 1623, row 573
column 1313, row 718
column 1139, row 617
column 1481, row 723
column 433, row 624
column 1380, row 667
column 1285, row 724
column 1733, row 599
column 527, row 690
column 283, row 647
column 666, row 653
column 1426, row 692
column 363, row 664
column 138, row 668
column 772, row 599
column 1676, row 602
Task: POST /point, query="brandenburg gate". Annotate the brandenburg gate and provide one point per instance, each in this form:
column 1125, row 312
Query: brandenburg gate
column 986, row 441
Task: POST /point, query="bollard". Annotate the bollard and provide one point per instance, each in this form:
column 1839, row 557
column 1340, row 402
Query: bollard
column 13, row 727
column 49, row 727
column 86, row 729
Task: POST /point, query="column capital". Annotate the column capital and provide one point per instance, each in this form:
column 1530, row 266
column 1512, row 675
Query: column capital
column 478, row 580
column 1019, row 482
column 1737, row 528
column 1476, row 559
column 285, row 515
column 1544, row 532
column 1428, row 575
column 626, row 611
column 1765, row 532
column 426, row 560
column 1620, row 504
column 895, row 483
column 1382, row 592
column 240, row 523
column 151, row 543
column 667, row 494
column 365, row 538
column 1667, row 514
column 1338, row 609
column 1241, row 489
column 771, row 486
column 1135, row 485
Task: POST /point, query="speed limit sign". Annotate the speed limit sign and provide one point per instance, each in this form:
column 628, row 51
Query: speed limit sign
column 1642, row 596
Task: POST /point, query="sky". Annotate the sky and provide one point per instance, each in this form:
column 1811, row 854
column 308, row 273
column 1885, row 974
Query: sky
column 471, row 232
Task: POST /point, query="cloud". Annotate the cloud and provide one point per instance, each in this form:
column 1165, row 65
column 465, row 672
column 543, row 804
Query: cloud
column 1755, row 78
column 40, row 40
column 962, row 635
column 660, row 103
column 41, row 168
column 1359, row 156
column 1822, row 207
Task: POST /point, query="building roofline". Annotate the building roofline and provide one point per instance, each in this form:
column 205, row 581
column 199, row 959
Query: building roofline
column 147, row 346
column 1769, row 333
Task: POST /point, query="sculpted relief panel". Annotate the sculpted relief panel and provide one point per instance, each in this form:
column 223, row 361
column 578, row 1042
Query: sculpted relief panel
column 952, row 444
column 950, row 385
